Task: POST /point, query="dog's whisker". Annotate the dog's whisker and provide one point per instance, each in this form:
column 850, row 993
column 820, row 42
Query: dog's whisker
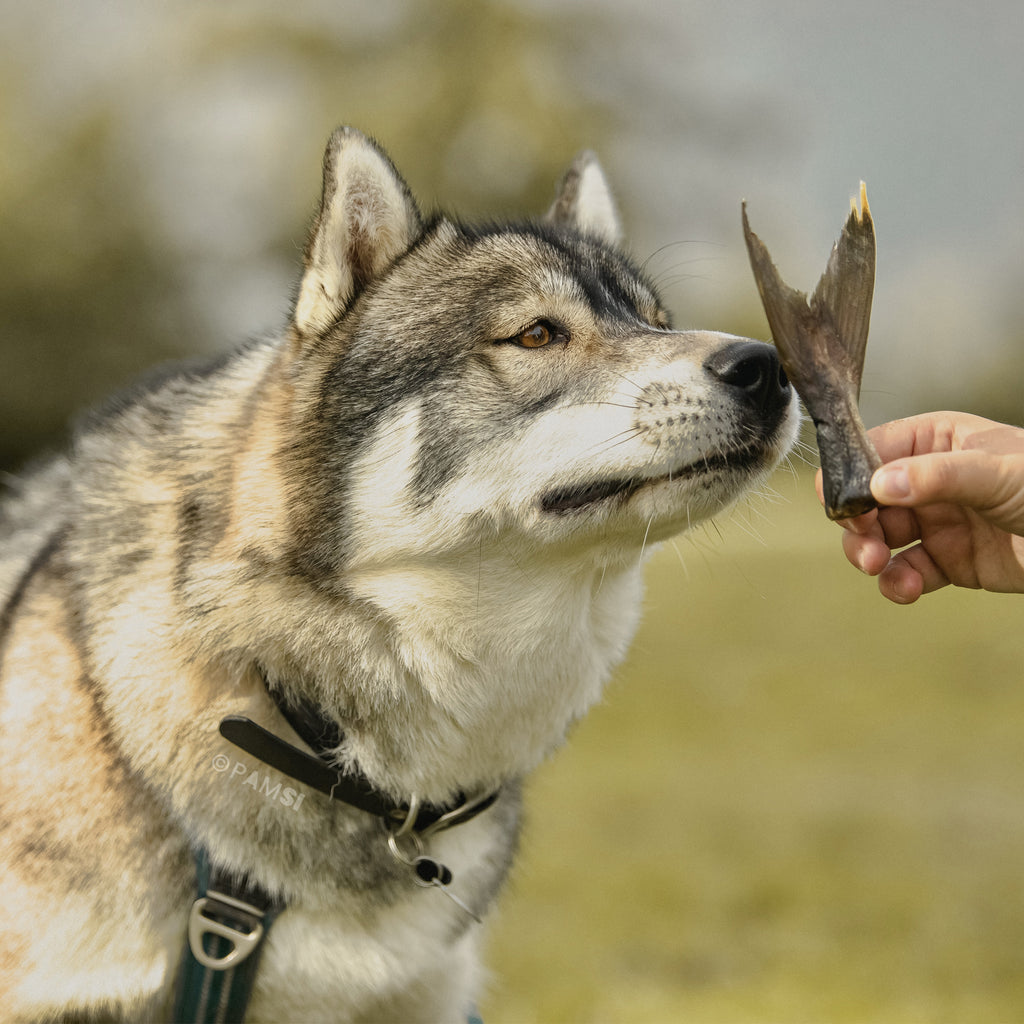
column 624, row 437
column 682, row 560
column 643, row 543
column 633, row 384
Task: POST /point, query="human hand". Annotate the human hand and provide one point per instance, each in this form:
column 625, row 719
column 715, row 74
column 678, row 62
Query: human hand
column 952, row 491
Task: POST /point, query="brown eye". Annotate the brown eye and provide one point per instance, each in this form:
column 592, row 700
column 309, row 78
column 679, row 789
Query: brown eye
column 536, row 336
column 540, row 334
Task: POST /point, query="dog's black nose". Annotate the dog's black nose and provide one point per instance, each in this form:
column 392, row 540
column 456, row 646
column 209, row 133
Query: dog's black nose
column 753, row 368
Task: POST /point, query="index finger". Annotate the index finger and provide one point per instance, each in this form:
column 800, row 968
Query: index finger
column 923, row 434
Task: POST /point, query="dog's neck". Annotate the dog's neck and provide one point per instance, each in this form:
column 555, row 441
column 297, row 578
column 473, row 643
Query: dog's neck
column 466, row 682
column 323, row 736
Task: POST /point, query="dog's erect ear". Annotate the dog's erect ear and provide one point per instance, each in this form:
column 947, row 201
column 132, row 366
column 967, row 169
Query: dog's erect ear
column 585, row 202
column 367, row 219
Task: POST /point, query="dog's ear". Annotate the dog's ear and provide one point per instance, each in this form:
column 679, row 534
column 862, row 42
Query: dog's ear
column 585, row 202
column 367, row 219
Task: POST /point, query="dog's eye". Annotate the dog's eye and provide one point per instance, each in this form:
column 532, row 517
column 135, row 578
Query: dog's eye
column 540, row 334
column 536, row 336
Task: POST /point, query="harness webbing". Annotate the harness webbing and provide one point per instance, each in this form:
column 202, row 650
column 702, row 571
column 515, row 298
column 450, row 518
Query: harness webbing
column 227, row 927
column 231, row 915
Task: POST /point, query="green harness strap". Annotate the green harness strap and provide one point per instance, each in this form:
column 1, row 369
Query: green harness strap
column 232, row 915
column 226, row 928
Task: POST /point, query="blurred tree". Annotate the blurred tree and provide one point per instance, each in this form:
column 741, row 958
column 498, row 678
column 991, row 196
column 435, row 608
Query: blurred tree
column 114, row 246
column 85, row 299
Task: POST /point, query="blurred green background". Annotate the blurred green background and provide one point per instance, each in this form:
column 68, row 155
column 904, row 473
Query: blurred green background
column 798, row 802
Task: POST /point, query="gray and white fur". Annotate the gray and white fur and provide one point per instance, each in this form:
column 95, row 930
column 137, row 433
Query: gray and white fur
column 422, row 507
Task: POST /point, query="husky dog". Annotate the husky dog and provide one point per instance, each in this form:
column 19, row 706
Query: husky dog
column 421, row 511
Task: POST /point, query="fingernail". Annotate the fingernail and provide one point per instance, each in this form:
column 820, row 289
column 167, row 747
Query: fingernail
column 890, row 483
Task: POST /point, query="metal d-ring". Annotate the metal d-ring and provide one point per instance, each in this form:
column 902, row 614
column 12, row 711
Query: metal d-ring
column 407, row 830
column 456, row 815
column 427, row 872
column 243, row 929
column 409, row 821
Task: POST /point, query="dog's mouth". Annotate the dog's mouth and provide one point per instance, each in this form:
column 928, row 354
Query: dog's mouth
column 570, row 499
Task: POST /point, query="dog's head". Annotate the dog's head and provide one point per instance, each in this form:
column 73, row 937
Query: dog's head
column 518, row 385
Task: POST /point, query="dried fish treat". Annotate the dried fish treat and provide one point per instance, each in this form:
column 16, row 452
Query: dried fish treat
column 821, row 342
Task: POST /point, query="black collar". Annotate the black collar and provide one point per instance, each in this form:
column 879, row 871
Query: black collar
column 322, row 734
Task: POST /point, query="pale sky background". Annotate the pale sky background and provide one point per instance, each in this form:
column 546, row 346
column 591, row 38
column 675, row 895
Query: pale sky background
column 788, row 104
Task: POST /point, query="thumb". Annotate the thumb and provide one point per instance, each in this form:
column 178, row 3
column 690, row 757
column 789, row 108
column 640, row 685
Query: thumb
column 969, row 478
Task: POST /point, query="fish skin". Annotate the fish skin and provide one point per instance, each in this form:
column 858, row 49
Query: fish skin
column 821, row 342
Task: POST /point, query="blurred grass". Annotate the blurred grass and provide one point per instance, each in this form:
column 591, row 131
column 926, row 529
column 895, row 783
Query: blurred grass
column 797, row 802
